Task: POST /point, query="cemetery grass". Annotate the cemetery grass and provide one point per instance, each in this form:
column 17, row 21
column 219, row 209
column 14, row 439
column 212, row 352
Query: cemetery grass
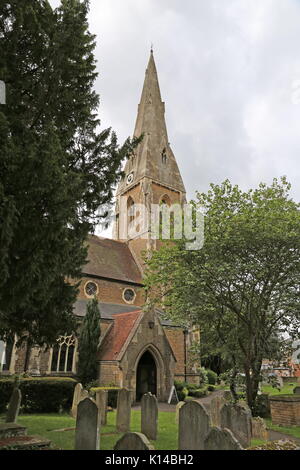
column 290, row 430
column 287, row 389
column 46, row 425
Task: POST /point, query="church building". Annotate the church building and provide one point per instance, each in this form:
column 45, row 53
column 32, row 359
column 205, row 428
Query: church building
column 138, row 349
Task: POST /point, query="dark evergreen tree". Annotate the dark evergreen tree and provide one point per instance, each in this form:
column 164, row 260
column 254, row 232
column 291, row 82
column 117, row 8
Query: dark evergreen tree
column 56, row 167
column 89, row 343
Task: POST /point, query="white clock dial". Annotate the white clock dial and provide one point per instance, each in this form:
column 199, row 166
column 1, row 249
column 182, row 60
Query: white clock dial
column 130, row 178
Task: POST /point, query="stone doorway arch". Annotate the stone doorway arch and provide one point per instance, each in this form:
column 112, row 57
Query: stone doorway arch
column 146, row 375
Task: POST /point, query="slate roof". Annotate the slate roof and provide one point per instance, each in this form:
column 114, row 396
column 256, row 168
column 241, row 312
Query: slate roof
column 108, row 311
column 111, row 259
column 116, row 337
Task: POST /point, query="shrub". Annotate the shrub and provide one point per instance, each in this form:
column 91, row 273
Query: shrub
column 211, row 388
column 212, row 377
column 179, row 385
column 189, row 399
column 199, row 392
column 40, row 395
column 203, row 376
column 262, row 406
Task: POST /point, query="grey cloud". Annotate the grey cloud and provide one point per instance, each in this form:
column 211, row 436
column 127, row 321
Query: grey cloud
column 226, row 70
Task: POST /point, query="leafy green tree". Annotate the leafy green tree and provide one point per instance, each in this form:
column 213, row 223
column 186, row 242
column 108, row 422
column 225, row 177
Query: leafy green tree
column 88, row 344
column 243, row 287
column 57, row 167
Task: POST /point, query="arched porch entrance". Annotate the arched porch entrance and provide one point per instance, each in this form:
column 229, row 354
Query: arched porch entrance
column 146, row 376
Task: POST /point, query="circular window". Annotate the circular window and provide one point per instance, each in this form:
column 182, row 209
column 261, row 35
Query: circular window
column 129, row 295
column 91, row 289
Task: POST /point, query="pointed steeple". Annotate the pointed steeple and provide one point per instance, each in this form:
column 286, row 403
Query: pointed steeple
column 153, row 158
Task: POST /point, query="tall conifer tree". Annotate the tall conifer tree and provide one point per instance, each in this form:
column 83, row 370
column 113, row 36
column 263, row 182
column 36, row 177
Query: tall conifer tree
column 56, row 166
column 89, row 343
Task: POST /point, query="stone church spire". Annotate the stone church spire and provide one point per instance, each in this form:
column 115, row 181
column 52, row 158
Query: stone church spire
column 153, row 157
column 151, row 176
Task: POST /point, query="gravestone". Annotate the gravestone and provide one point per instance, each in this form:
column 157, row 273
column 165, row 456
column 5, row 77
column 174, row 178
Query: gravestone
column 215, row 409
column 78, row 395
column 297, row 390
column 133, row 441
column 14, row 406
column 237, row 419
column 101, row 400
column 123, row 410
column 193, row 426
column 259, row 429
column 178, row 406
column 227, row 395
column 221, row 439
column 87, row 434
column 149, row 416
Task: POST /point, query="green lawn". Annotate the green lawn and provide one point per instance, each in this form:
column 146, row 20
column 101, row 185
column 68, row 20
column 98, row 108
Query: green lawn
column 47, row 424
column 291, row 430
column 287, row 389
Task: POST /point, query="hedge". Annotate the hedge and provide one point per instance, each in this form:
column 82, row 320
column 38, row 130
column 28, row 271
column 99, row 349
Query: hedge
column 40, row 395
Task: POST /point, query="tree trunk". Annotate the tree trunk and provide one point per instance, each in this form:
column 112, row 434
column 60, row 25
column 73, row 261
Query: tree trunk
column 252, row 382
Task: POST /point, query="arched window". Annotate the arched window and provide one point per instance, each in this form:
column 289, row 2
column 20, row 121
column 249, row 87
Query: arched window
column 63, row 354
column 6, row 350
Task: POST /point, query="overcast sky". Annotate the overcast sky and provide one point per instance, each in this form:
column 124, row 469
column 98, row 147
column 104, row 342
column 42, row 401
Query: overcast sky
column 229, row 74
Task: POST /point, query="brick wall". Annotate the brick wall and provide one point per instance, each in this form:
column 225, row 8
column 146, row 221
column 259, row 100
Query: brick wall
column 285, row 410
column 112, row 292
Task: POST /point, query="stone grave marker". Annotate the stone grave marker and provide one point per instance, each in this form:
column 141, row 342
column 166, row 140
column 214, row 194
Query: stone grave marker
column 237, row 419
column 297, row 390
column 178, row 406
column 133, row 441
column 123, row 410
column 149, row 416
column 193, row 426
column 215, row 409
column 87, row 434
column 78, row 395
column 14, row 406
column 221, row 439
column 101, row 400
column 259, row 429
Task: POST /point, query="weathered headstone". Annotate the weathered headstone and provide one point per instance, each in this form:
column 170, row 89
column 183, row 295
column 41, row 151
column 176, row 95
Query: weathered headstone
column 133, row 441
column 221, row 439
column 215, row 409
column 101, row 400
column 227, row 395
column 193, row 426
column 123, row 410
column 297, row 390
column 178, row 406
column 237, row 419
column 14, row 406
column 259, row 429
column 78, row 395
column 87, row 434
column 149, row 416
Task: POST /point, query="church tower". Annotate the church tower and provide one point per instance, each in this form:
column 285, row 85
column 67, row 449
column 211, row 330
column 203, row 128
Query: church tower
column 151, row 173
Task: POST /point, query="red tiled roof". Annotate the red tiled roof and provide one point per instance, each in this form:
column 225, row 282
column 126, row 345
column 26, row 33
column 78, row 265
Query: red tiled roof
column 117, row 335
column 111, row 259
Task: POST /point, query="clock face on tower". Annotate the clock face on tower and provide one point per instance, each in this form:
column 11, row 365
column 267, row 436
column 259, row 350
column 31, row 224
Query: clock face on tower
column 130, row 178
